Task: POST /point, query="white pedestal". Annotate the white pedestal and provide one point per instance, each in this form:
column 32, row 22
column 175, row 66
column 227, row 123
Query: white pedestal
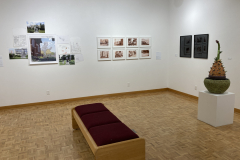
column 216, row 109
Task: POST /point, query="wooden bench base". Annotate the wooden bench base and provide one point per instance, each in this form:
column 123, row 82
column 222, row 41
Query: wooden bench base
column 126, row 150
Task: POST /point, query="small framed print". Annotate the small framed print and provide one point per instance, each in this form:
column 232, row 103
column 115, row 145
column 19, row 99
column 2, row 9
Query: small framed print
column 118, row 42
column 103, row 42
column 201, row 46
column 145, row 53
column 132, row 53
column 104, row 54
column 145, row 42
column 119, row 54
column 186, row 46
column 132, row 42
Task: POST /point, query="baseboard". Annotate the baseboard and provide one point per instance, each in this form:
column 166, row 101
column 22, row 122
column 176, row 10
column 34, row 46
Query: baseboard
column 236, row 110
column 83, row 98
column 106, row 95
column 182, row 93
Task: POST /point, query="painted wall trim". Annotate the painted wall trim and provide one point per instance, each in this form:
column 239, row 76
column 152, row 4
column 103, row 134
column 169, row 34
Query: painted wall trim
column 236, row 110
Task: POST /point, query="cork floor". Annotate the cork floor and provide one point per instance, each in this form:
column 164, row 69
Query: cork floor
column 168, row 122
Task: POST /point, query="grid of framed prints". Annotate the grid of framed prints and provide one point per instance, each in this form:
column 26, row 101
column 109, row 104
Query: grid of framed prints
column 122, row 48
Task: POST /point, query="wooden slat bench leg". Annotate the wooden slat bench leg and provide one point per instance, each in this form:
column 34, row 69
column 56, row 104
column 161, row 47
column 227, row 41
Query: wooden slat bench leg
column 74, row 123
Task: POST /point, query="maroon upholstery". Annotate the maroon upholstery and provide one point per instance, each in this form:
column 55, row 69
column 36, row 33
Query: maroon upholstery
column 111, row 133
column 99, row 118
column 90, row 108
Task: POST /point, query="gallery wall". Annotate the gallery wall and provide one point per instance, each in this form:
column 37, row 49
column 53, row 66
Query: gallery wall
column 23, row 83
column 219, row 19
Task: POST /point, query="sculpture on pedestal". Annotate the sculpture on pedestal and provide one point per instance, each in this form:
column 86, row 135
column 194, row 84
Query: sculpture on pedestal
column 217, row 82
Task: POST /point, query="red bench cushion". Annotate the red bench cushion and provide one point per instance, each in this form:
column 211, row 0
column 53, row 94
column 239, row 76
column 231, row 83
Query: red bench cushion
column 99, row 118
column 111, row 133
column 90, row 108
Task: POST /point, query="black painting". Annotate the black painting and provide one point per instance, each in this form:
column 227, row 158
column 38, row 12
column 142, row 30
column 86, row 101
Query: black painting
column 186, row 46
column 201, row 46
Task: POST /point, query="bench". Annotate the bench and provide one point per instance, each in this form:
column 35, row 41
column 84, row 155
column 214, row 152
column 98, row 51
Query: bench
column 106, row 135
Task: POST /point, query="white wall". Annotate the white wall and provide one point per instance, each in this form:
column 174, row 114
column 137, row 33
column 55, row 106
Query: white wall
column 21, row 83
column 219, row 19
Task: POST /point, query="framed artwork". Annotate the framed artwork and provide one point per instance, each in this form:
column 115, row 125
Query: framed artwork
column 104, row 54
column 186, row 46
column 42, row 49
column 145, row 42
column 132, row 42
column 119, row 54
column 35, row 27
column 132, row 53
column 118, row 42
column 103, row 42
column 201, row 46
column 145, row 53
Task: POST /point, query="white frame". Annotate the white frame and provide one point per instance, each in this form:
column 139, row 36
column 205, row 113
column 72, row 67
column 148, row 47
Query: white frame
column 124, row 42
column 150, row 42
column 109, row 44
column 104, row 59
column 132, row 37
column 120, row 49
column 137, row 49
column 41, row 36
column 150, row 52
column 36, row 21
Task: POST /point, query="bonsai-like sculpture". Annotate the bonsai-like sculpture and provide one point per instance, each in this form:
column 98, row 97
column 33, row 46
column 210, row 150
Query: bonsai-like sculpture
column 217, row 82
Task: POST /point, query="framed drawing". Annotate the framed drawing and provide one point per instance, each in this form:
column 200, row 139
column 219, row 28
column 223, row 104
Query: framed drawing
column 186, row 46
column 118, row 42
column 103, row 42
column 201, row 46
column 42, row 49
column 145, row 53
column 132, row 42
column 104, row 54
column 119, row 54
column 132, row 53
column 145, row 42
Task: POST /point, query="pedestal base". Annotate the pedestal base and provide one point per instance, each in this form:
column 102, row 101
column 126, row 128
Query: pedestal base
column 216, row 109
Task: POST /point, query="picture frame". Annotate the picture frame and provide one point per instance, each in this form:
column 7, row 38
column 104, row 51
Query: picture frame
column 186, row 46
column 145, row 41
column 118, row 42
column 132, row 53
column 104, row 54
column 104, row 42
column 119, row 54
column 132, row 42
column 145, row 53
column 201, row 46
column 42, row 49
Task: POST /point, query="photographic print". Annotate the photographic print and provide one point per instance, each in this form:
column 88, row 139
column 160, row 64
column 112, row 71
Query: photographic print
column 35, row 27
column 104, row 42
column 66, row 59
column 186, row 46
column 145, row 41
column 132, row 53
column 118, row 42
column 132, row 42
column 104, row 54
column 201, row 46
column 42, row 49
column 18, row 53
column 145, row 53
column 119, row 54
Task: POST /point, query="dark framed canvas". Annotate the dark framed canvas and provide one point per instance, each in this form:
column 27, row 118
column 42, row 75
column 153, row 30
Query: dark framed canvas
column 186, row 46
column 201, row 46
